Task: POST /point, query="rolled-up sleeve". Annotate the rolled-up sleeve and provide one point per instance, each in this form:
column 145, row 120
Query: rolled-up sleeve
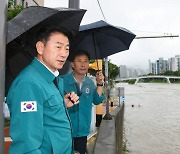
column 96, row 98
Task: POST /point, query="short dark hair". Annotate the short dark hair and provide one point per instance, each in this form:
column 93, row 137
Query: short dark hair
column 78, row 53
column 45, row 32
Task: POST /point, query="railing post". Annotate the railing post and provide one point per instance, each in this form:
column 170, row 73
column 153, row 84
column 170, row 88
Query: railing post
column 120, row 94
column 107, row 115
column 119, row 129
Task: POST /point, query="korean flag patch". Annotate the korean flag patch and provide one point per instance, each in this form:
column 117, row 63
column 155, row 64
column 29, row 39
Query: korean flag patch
column 29, row 106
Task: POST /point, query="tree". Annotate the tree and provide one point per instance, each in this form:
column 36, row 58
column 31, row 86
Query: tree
column 13, row 10
column 171, row 73
column 113, row 70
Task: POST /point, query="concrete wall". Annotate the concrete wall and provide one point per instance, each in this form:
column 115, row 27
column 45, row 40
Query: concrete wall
column 110, row 134
column 3, row 15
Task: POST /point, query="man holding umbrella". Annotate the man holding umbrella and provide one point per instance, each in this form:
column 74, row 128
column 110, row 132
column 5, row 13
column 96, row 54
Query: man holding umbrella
column 88, row 93
column 39, row 120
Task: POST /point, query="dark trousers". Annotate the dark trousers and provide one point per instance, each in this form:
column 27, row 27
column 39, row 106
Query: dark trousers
column 80, row 144
column 98, row 119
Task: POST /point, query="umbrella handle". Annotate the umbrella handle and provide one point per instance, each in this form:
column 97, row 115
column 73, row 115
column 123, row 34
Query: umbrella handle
column 94, row 43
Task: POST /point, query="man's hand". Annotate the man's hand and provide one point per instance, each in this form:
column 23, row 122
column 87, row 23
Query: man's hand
column 99, row 77
column 71, row 99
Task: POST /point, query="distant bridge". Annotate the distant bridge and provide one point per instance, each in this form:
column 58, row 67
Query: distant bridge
column 167, row 78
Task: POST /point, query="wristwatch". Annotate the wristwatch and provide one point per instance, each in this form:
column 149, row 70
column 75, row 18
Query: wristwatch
column 100, row 85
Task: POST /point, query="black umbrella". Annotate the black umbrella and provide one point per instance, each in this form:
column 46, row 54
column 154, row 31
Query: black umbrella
column 22, row 31
column 101, row 39
column 33, row 17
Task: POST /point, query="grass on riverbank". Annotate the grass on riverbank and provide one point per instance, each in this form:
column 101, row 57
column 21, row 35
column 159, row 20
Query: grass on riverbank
column 150, row 80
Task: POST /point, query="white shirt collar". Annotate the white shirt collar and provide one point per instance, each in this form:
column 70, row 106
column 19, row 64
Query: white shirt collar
column 56, row 72
column 76, row 80
column 80, row 84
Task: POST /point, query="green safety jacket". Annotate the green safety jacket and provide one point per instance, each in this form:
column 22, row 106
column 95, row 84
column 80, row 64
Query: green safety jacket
column 80, row 114
column 39, row 122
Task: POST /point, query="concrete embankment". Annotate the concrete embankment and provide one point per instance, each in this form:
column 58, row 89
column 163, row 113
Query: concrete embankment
column 109, row 139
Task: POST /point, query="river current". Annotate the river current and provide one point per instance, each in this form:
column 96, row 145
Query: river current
column 152, row 118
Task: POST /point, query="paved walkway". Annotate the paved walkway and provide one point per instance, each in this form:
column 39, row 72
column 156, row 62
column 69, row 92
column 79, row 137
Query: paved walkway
column 91, row 142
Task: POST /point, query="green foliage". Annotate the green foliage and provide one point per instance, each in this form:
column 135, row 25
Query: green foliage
column 153, row 80
column 111, row 83
column 150, row 74
column 174, row 80
column 177, row 73
column 168, row 73
column 12, row 12
column 113, row 70
column 10, row 3
column 171, row 73
column 132, row 81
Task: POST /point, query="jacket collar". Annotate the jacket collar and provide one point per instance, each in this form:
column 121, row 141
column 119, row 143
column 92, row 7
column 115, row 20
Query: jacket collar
column 72, row 78
column 47, row 75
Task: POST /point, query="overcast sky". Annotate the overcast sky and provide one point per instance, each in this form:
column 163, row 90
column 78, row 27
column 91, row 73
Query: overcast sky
column 143, row 18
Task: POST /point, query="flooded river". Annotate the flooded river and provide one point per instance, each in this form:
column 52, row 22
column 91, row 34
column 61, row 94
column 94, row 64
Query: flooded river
column 152, row 118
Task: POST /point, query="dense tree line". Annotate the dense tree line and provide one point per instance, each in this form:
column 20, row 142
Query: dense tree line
column 168, row 73
column 171, row 73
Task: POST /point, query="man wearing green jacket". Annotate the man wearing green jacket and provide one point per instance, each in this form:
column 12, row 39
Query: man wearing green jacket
column 39, row 122
column 88, row 93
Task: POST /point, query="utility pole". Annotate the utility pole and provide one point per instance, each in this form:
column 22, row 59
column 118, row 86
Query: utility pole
column 3, row 15
column 67, row 66
column 74, row 4
column 107, row 115
column 160, row 36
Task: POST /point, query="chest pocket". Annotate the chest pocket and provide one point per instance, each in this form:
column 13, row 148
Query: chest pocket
column 54, row 102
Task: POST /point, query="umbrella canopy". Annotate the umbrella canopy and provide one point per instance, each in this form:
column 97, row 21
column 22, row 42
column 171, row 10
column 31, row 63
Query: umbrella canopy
column 33, row 17
column 21, row 34
column 101, row 39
